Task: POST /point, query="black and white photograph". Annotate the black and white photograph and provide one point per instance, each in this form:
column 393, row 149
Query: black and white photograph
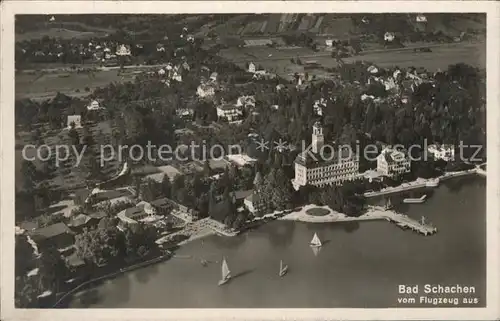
column 185, row 159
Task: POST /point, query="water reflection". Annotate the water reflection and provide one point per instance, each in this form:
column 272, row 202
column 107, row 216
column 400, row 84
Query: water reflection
column 281, row 235
column 144, row 275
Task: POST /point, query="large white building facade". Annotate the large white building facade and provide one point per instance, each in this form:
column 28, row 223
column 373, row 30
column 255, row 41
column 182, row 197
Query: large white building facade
column 392, row 162
column 326, row 166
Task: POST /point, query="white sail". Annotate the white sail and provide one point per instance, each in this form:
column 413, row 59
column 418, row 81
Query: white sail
column 281, row 265
column 315, row 240
column 226, row 273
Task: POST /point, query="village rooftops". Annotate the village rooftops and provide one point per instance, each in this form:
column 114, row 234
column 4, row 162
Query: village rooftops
column 328, row 157
column 50, row 231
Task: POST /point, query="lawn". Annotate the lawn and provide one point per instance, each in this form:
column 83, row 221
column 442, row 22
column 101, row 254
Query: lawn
column 46, row 85
column 318, row 211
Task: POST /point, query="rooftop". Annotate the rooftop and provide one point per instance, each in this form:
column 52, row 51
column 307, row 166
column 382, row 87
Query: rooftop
column 50, row 231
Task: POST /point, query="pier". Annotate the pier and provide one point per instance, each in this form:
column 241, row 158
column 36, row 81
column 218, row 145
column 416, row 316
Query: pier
column 404, row 221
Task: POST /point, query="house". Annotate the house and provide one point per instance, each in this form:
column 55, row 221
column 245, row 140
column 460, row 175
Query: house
column 75, row 120
column 318, row 106
column 205, row 90
column 392, row 162
column 246, row 102
column 253, row 204
column 74, row 263
column 163, row 206
column 229, row 112
column 190, row 38
column 177, row 77
column 329, row 42
column 324, row 169
column 94, row 105
column 389, row 36
column 142, row 212
column 240, row 196
column 160, row 47
column 161, row 72
column 123, row 50
column 372, row 70
column 257, row 42
column 251, row 67
column 213, row 76
column 185, row 112
column 421, row 18
column 58, row 235
column 81, row 221
column 445, row 152
column 240, row 160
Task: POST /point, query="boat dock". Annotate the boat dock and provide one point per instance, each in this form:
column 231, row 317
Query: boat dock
column 406, row 222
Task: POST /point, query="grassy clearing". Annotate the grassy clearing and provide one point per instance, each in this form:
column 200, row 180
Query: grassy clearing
column 46, row 85
column 318, row 211
column 61, row 33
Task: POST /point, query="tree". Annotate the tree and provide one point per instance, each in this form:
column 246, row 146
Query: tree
column 207, row 171
column 166, row 186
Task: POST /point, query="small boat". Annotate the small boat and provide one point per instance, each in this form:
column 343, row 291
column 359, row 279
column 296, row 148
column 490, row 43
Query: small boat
column 315, row 242
column 204, row 262
column 415, row 200
column 226, row 273
column 283, row 269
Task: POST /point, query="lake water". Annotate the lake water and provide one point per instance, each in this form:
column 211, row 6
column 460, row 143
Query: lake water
column 361, row 264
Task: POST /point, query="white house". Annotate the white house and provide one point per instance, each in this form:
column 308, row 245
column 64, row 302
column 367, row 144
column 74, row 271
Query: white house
column 74, row 119
column 390, row 84
column 246, row 102
column 94, row 105
column 123, row 51
column 229, row 112
column 177, row 77
column 389, row 36
column 52, row 19
column 205, row 90
column 421, row 18
column 251, row 67
column 392, row 162
column 319, row 105
column 444, row 152
column 329, row 42
column 213, row 76
column 372, row 69
column 190, row 38
column 161, row 72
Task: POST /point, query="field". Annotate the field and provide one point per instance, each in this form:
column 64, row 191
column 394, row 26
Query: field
column 46, row 85
column 61, row 33
column 279, row 60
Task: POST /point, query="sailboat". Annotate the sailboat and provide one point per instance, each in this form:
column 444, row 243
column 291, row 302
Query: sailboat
column 226, row 273
column 283, row 268
column 315, row 242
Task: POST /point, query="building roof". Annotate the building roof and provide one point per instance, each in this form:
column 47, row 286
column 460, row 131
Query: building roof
column 329, row 157
column 257, row 42
column 160, row 202
column 50, row 231
column 28, row 225
column 242, row 194
column 109, row 195
column 393, row 156
column 98, row 215
column 79, row 220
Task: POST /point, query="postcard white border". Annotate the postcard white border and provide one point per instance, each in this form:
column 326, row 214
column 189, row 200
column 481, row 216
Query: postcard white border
column 10, row 8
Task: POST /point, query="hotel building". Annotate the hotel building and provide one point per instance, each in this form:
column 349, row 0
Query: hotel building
column 393, row 162
column 321, row 166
